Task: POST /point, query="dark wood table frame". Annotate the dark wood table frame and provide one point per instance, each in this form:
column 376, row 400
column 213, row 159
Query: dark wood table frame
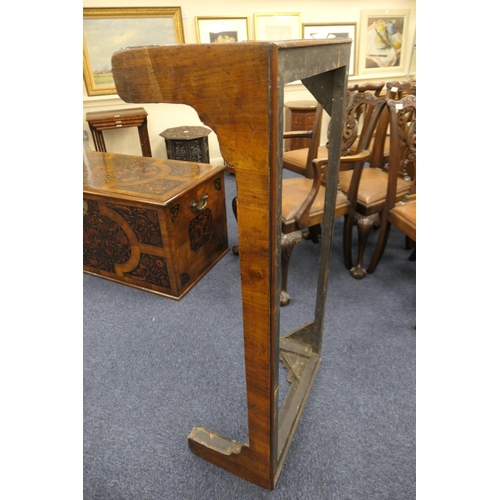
column 238, row 91
column 116, row 119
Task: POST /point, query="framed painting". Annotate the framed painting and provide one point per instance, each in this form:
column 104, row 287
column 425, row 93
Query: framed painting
column 319, row 31
column 383, row 42
column 107, row 30
column 221, row 29
column 277, row 26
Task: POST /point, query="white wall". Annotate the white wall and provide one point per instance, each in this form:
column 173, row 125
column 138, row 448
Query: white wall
column 162, row 116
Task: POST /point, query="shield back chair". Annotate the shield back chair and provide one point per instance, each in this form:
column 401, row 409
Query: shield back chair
column 375, row 89
column 303, row 199
column 300, row 160
column 381, row 143
column 373, row 184
column 401, row 214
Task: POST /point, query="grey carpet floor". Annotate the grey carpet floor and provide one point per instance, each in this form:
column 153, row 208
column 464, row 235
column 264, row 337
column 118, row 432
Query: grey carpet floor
column 155, row 368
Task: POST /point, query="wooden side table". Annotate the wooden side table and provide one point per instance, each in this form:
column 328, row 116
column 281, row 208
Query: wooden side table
column 299, row 116
column 238, row 91
column 187, row 143
column 119, row 118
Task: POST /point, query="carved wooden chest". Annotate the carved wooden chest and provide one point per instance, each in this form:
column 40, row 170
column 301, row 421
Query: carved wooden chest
column 152, row 223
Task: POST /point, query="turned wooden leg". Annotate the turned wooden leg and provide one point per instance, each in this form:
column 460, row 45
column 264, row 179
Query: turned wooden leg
column 347, row 240
column 409, row 243
column 365, row 225
column 312, row 233
column 288, row 243
column 380, row 247
column 144, row 138
column 98, row 137
column 234, row 206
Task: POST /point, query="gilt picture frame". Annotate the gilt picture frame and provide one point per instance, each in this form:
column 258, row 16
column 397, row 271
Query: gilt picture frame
column 107, row 30
column 221, row 29
column 318, row 31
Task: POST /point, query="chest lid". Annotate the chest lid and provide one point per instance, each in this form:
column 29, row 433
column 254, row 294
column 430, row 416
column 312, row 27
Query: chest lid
column 140, row 178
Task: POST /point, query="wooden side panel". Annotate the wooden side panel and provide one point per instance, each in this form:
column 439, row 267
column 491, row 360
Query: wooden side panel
column 230, row 89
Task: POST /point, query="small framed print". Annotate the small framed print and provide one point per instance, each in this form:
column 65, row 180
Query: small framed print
column 319, row 31
column 221, row 29
column 277, row 26
column 383, row 42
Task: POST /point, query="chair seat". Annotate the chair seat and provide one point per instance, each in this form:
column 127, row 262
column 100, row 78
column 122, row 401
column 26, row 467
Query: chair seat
column 296, row 159
column 373, row 186
column 297, row 189
column 404, row 217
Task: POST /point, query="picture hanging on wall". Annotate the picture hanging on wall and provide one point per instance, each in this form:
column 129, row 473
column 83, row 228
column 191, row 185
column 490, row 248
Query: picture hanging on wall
column 320, row 31
column 277, row 26
column 221, row 29
column 107, row 30
column 383, row 42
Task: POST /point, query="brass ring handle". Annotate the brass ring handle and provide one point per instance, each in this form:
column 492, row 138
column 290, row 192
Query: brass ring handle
column 198, row 207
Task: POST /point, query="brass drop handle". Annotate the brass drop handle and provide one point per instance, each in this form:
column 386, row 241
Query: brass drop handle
column 198, row 207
